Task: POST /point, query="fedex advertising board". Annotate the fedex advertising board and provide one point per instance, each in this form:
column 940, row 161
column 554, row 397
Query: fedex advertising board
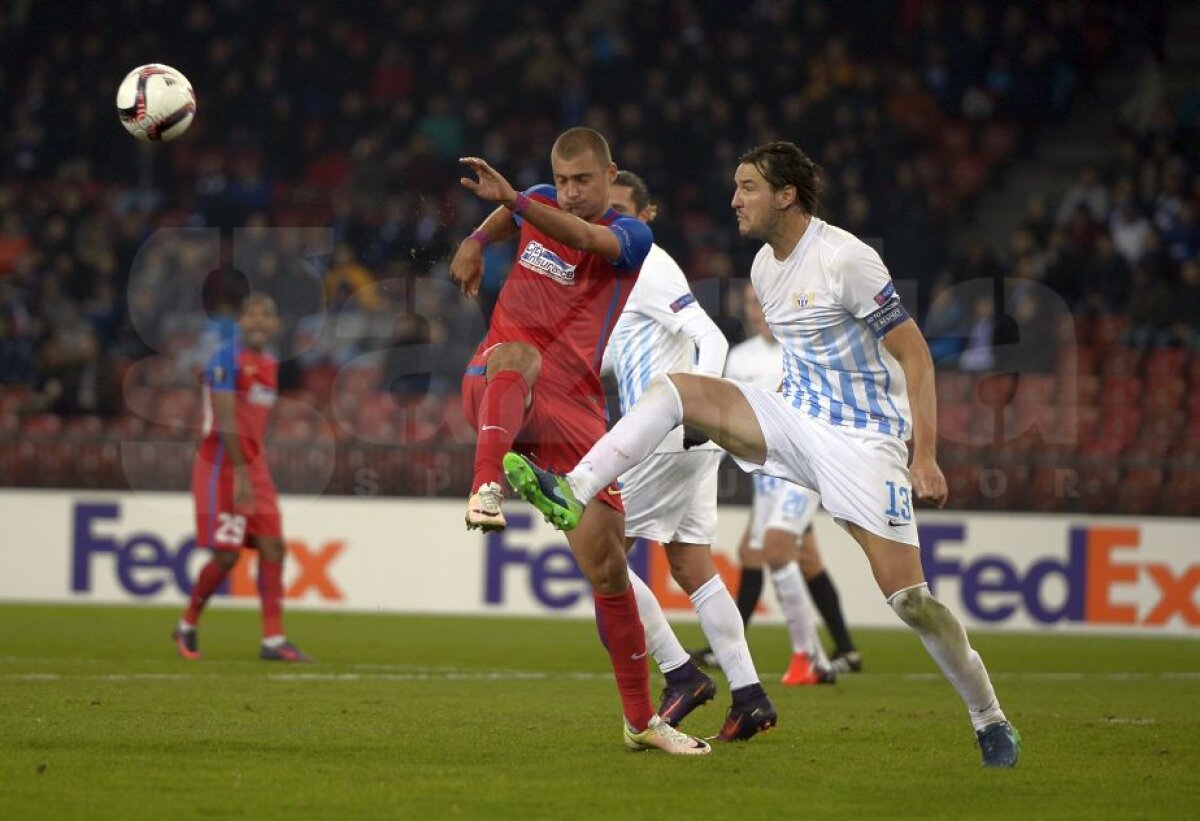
column 1000, row 571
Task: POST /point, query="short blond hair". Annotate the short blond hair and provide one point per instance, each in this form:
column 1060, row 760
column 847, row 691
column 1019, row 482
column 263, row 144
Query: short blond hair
column 574, row 141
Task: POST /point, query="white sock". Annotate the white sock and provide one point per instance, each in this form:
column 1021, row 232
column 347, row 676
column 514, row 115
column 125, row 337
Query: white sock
column 635, row 436
column 944, row 637
column 798, row 610
column 274, row 641
column 668, row 653
column 185, row 627
column 722, row 625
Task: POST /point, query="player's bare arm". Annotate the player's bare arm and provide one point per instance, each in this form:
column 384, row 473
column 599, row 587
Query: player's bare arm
column 226, row 421
column 555, row 223
column 466, row 269
column 906, row 343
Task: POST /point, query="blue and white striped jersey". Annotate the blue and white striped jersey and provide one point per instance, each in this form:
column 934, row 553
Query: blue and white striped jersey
column 830, row 303
column 649, row 338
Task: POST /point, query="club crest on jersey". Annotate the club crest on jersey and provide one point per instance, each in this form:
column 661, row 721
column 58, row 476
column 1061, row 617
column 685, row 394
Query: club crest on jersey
column 540, row 259
column 804, row 298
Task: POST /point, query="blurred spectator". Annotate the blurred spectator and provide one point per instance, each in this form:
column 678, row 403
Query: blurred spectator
column 1089, row 193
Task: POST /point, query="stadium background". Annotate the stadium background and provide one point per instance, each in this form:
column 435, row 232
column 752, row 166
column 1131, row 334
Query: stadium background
column 1029, row 170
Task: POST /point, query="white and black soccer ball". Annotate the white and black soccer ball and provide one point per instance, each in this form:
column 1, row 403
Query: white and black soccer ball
column 156, row 103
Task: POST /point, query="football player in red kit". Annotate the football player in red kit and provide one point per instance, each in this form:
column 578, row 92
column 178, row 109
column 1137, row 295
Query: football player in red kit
column 236, row 502
column 534, row 383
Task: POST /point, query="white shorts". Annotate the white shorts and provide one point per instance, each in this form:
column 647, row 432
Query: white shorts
column 780, row 505
column 862, row 475
column 672, row 497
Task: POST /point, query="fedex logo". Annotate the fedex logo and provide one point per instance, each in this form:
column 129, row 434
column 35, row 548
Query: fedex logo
column 1093, row 584
column 554, row 579
column 144, row 563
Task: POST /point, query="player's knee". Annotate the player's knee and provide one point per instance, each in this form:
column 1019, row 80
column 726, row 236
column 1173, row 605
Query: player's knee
column 916, row 607
column 751, row 558
column 691, row 571
column 272, row 550
column 226, row 559
column 516, row 356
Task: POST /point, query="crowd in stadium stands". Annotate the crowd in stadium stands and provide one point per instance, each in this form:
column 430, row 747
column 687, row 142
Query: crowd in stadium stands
column 352, row 118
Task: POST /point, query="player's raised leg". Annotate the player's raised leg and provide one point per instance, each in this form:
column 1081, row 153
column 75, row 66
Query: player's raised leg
column 598, row 545
column 508, row 372
column 713, row 407
column 275, row 645
column 897, row 569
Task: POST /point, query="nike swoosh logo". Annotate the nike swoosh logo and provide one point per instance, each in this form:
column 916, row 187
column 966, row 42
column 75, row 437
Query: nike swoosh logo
column 494, row 427
column 612, row 492
column 636, row 656
column 895, row 524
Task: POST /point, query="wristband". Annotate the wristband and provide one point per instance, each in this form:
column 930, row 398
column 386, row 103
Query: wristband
column 481, row 236
column 519, row 204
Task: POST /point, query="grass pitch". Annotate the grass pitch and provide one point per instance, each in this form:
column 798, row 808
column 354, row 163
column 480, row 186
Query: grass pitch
column 486, row 718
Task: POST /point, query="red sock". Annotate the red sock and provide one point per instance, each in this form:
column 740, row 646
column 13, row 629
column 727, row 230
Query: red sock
column 623, row 636
column 270, row 593
column 210, row 578
column 501, row 412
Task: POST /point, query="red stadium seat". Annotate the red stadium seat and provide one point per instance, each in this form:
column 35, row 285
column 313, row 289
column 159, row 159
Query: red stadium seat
column 83, row 428
column 954, row 421
column 1165, row 364
column 1036, row 389
column 1087, row 390
column 1098, row 482
column 1166, row 396
column 14, row 399
column 1139, row 490
column 42, row 426
column 1121, row 362
column 1120, row 392
column 1051, row 489
column 1181, row 493
column 124, row 428
column 1107, row 330
column 954, row 386
column 1080, row 360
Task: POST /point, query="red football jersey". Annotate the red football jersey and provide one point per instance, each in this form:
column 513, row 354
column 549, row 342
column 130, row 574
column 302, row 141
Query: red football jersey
column 253, row 377
column 565, row 302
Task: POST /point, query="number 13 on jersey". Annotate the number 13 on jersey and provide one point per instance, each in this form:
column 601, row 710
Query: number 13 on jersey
column 901, row 494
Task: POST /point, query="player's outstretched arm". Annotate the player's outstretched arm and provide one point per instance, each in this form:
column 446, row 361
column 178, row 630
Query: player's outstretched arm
column 466, row 269
column 554, row 223
column 906, row 343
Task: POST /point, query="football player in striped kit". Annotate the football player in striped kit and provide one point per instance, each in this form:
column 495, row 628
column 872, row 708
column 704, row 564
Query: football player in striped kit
column 671, row 498
column 858, row 384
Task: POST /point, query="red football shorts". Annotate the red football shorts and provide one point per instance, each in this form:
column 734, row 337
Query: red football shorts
column 556, row 432
column 221, row 526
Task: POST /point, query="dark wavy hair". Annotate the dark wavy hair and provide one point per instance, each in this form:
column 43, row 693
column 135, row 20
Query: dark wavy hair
column 782, row 163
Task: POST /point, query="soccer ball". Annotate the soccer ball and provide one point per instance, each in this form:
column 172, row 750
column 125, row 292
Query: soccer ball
column 156, row 103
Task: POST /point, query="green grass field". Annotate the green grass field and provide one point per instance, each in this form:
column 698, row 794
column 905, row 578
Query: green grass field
column 484, row 718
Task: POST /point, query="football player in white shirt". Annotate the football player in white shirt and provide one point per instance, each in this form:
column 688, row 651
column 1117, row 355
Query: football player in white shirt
column 859, row 383
column 671, row 498
column 780, row 533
